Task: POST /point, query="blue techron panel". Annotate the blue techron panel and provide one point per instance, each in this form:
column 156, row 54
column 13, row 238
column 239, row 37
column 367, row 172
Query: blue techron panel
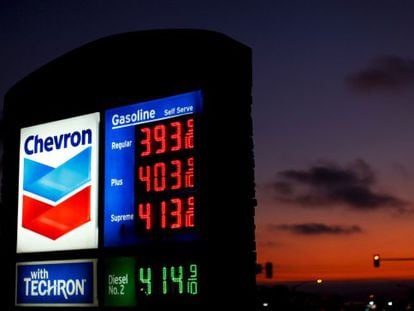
column 56, row 283
column 122, row 193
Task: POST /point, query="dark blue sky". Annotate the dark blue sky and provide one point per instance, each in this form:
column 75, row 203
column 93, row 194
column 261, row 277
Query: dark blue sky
column 332, row 92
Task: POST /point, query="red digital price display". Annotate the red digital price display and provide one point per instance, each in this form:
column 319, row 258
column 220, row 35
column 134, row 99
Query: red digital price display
column 167, row 177
column 152, row 171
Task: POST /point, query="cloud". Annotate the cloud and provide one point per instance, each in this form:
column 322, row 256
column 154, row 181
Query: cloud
column 317, row 229
column 268, row 243
column 385, row 73
column 327, row 184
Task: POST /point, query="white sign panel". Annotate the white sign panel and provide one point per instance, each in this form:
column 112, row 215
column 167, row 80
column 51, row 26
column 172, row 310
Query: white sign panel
column 58, row 185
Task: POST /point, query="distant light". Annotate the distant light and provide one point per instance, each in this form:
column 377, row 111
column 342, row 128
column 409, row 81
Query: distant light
column 319, row 281
column 265, row 304
column 390, row 303
column 371, row 303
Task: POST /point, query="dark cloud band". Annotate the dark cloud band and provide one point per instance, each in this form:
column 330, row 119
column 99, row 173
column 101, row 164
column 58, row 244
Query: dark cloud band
column 386, row 73
column 317, row 229
column 328, row 184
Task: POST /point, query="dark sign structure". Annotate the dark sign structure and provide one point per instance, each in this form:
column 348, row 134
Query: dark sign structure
column 129, row 176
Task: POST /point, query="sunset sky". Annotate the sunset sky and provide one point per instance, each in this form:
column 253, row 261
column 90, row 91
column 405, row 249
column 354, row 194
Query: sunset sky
column 333, row 115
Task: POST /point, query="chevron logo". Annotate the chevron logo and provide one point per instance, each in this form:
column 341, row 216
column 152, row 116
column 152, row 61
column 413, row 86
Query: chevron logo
column 65, row 181
column 58, row 185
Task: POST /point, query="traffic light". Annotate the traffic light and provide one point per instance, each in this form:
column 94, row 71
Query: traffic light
column 376, row 260
column 269, row 270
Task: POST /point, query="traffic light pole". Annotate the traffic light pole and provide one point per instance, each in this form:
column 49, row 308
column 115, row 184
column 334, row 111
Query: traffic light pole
column 398, row 259
column 377, row 259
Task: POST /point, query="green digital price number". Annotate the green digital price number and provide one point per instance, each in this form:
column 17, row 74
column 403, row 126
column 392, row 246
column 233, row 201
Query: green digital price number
column 131, row 283
column 174, row 279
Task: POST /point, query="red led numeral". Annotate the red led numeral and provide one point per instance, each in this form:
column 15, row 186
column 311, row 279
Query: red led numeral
column 189, row 174
column 159, row 176
column 159, row 137
column 155, row 177
column 144, row 175
column 175, row 213
column 189, row 213
column 146, row 142
column 176, row 174
column 144, row 213
column 162, row 138
column 172, row 215
column 189, row 135
column 163, row 214
column 176, row 136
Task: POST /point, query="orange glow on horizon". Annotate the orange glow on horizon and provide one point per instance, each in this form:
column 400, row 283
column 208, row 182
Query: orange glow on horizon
column 333, row 268
column 307, row 256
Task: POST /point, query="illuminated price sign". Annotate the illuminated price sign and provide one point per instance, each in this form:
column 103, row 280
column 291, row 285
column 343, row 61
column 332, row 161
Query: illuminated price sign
column 151, row 171
column 130, row 282
column 165, row 158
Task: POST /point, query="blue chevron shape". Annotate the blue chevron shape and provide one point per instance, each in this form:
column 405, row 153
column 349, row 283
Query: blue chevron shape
column 53, row 184
column 34, row 170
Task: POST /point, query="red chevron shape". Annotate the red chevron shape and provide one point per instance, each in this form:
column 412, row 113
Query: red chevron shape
column 55, row 221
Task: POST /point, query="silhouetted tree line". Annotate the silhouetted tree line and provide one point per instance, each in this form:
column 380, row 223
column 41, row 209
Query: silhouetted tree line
column 282, row 298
